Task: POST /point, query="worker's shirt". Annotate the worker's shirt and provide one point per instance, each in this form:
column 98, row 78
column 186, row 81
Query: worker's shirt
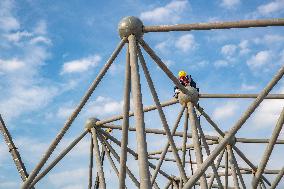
column 184, row 80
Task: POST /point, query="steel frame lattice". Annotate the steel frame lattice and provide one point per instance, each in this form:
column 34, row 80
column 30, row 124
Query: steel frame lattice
column 214, row 148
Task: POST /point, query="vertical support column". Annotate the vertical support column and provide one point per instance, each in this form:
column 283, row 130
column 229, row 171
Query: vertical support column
column 233, row 169
column 206, row 147
column 139, row 116
column 268, row 149
column 217, row 166
column 197, row 148
column 100, row 170
column 13, row 150
column 91, row 164
column 226, row 168
column 184, row 139
column 125, row 124
column 162, row 115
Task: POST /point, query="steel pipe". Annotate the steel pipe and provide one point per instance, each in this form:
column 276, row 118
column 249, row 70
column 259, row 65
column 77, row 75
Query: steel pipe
column 125, row 124
column 268, row 150
column 73, row 115
column 235, row 128
column 13, row 151
column 162, row 115
column 198, row 152
column 102, row 183
column 277, row 179
column 215, row 25
column 59, row 157
column 91, row 164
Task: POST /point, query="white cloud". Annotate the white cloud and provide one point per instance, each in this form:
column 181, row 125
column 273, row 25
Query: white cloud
column 186, row 43
column 246, row 87
column 69, row 177
column 221, row 63
column 243, row 46
column 40, row 39
column 260, row 59
column 81, row 65
column 271, row 7
column 170, row 13
column 102, row 106
column 11, row 65
column 225, row 111
column 17, row 36
column 269, row 39
column 7, row 21
column 26, row 99
column 229, row 4
column 229, row 50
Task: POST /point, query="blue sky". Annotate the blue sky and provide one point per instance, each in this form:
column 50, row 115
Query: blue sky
column 50, row 52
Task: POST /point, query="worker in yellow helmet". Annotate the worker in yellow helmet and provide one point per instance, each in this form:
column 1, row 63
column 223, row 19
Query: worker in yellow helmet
column 185, row 80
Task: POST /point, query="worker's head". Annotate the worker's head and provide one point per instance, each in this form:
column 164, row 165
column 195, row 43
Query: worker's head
column 181, row 73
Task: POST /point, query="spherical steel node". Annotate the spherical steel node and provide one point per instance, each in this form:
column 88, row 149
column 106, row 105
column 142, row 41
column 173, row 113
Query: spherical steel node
column 130, row 25
column 90, row 123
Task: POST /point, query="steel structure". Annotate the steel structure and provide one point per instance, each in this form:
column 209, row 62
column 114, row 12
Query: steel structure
column 198, row 149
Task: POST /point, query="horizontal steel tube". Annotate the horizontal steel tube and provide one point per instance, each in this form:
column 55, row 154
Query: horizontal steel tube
column 215, row 25
column 157, row 131
column 271, row 96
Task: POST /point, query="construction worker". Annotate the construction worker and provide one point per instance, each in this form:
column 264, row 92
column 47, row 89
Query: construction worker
column 185, row 80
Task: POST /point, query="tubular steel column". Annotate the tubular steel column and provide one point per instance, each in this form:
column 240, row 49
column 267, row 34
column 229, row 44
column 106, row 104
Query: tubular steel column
column 226, row 168
column 162, row 115
column 13, row 150
column 91, row 163
column 184, row 138
column 221, row 133
column 235, row 129
column 217, row 167
column 100, row 170
column 203, row 139
column 268, row 150
column 233, row 169
column 139, row 116
column 73, row 115
column 116, row 156
column 125, row 125
column 162, row 157
column 197, row 148
column 278, row 178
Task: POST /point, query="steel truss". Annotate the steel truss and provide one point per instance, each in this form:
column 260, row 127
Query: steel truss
column 208, row 150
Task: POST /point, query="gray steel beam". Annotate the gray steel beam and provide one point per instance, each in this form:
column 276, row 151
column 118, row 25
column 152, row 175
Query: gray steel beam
column 207, row 150
column 214, row 139
column 233, row 167
column 238, row 170
column 162, row 115
column 139, row 116
column 125, row 124
column 235, row 128
column 59, row 157
column 268, row 150
column 221, row 133
column 270, row 96
column 165, row 150
column 116, row 156
column 73, row 116
column 102, row 183
column 188, row 146
column 91, row 163
column 175, row 101
column 277, row 179
column 195, row 139
column 226, row 168
column 13, row 150
column 215, row 25
column 134, row 154
column 217, row 167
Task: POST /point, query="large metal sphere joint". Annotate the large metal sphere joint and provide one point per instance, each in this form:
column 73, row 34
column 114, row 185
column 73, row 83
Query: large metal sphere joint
column 130, row 25
column 90, row 123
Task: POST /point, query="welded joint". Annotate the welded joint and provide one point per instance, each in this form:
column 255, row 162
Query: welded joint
column 91, row 123
column 232, row 141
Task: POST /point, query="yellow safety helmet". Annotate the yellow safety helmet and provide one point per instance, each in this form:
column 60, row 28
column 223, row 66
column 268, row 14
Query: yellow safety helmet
column 181, row 73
